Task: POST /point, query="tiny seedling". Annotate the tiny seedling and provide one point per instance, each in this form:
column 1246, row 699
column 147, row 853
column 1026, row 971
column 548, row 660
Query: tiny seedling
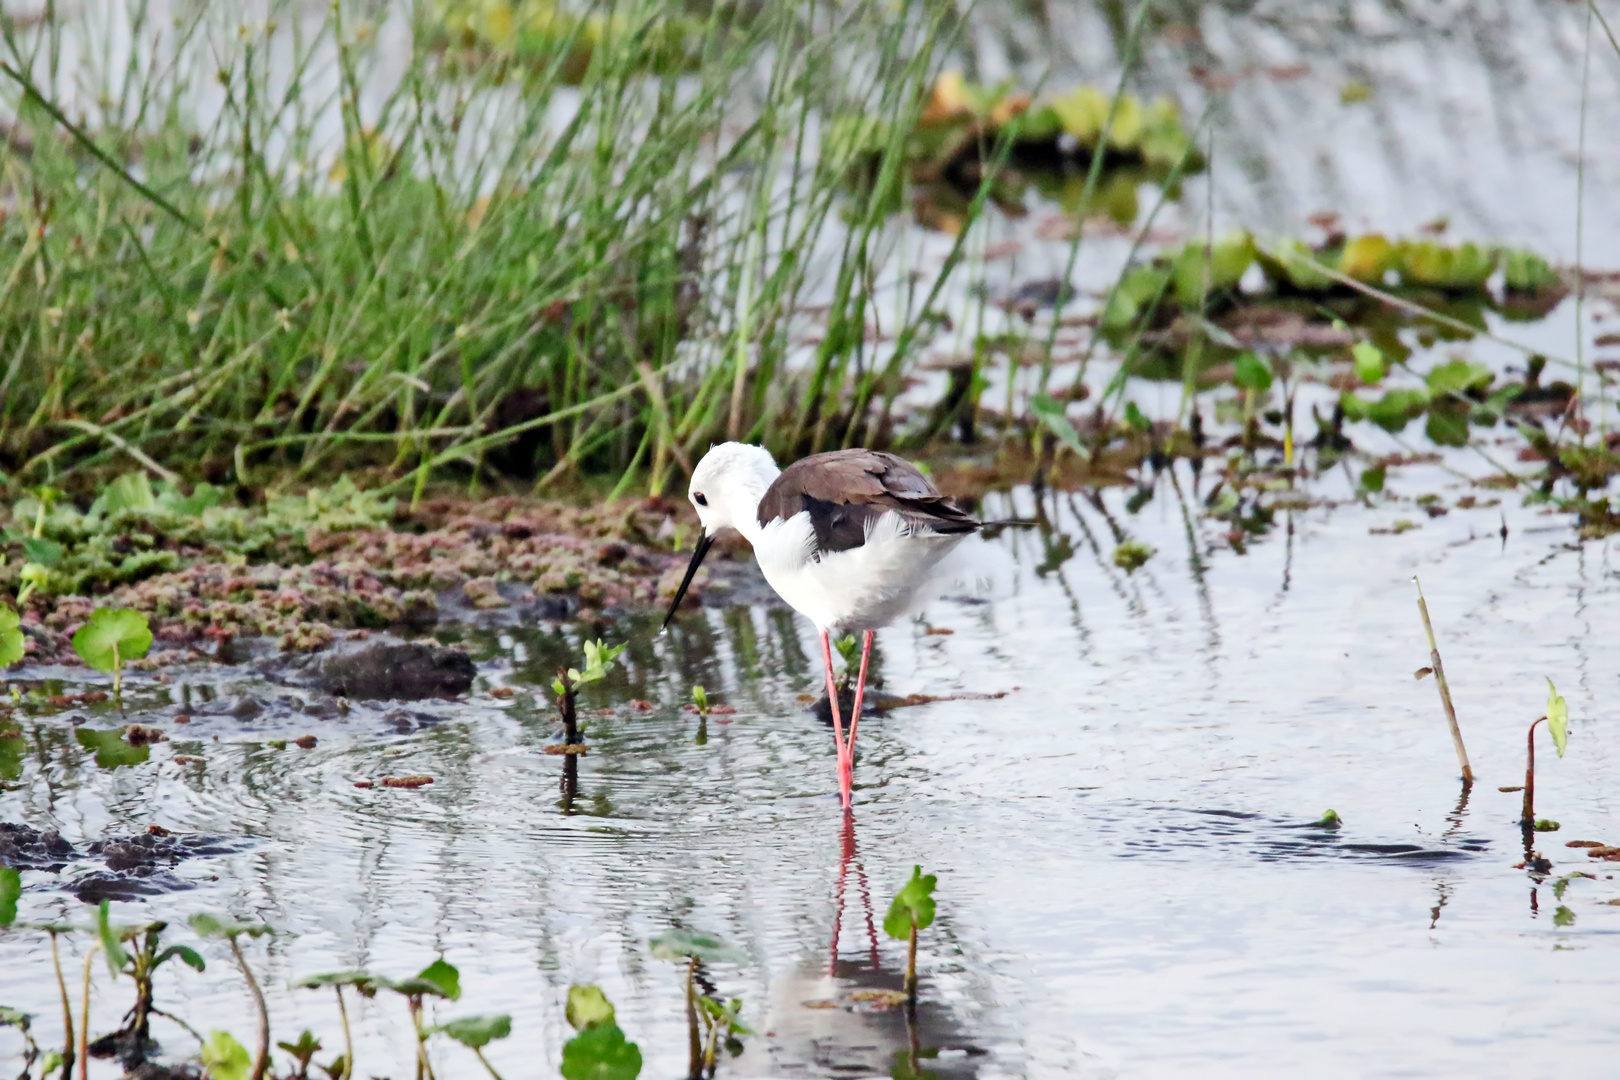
column 695, row 948
column 1330, row 820
column 598, row 660
column 700, row 701
column 112, row 638
column 302, row 1052
column 849, row 651
column 363, row 983
column 140, row 962
column 11, row 637
column 475, row 1033
column 1557, row 719
column 911, row 910
column 10, row 894
column 600, row 1050
column 215, row 926
column 721, row 1019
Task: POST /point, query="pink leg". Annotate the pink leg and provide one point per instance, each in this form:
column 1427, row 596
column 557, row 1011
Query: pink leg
column 838, row 722
column 855, row 713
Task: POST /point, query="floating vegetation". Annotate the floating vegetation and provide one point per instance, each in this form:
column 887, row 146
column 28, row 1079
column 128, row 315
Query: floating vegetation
column 543, row 34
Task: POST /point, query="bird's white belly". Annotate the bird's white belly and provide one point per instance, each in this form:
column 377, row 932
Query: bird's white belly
column 863, row 588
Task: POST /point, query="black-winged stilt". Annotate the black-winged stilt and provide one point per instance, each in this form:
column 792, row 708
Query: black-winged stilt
column 848, row 538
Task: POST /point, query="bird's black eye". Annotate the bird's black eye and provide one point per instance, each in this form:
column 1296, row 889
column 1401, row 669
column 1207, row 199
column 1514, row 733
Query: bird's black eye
column 701, row 499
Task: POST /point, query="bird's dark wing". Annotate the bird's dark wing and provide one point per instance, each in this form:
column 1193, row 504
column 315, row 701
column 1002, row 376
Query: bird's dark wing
column 845, row 490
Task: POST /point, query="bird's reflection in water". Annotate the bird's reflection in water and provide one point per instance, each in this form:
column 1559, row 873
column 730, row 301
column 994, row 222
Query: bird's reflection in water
column 837, row 1017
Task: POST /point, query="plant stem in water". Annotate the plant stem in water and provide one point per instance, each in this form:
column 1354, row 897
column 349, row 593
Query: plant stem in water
column 261, row 1057
column 1445, row 688
column 1528, row 815
column 482, row 1060
column 911, row 966
column 84, row 1016
column 694, row 1047
column 67, row 1011
column 348, row 1041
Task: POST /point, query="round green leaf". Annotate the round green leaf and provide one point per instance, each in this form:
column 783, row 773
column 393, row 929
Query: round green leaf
column 224, row 1058
column 440, row 979
column 338, row 978
column 912, row 905
column 112, row 637
column 209, row 925
column 601, row 1053
column 588, row 1007
column 476, row 1032
column 682, row 944
column 110, row 748
column 1252, row 373
column 188, row 956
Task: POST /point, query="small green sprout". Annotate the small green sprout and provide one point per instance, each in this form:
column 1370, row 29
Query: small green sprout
column 700, row 699
column 112, row 637
column 34, row 576
column 1557, row 717
column 911, row 910
column 1330, row 820
column 1370, row 364
column 598, row 660
column 302, row 1052
column 599, row 1051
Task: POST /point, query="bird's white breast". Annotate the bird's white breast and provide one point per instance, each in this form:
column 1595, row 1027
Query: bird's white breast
column 863, row 588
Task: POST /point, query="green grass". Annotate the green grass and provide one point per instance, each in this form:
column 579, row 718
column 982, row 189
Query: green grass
column 578, row 250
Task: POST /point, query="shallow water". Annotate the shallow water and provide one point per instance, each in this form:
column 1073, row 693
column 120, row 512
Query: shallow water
column 1130, row 883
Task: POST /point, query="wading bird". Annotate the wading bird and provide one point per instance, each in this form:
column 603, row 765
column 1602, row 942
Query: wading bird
column 847, row 538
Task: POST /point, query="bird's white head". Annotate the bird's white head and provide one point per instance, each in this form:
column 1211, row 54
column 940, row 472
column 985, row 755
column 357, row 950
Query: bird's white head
column 728, row 484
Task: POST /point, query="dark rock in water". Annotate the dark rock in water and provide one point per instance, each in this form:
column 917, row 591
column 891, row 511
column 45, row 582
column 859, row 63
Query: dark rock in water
column 23, row 848
column 150, row 849
column 125, row 885
column 404, row 671
column 151, row 1070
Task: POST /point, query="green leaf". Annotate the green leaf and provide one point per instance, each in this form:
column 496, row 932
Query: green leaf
column 305, row 1048
column 1251, row 373
column 588, row 1007
column 1135, row 418
column 1132, row 555
column 224, row 1058
column 1369, row 361
column 1050, row 413
column 208, row 925
column 46, row 553
column 1447, row 424
column 50, row 1062
column 601, row 1053
column 476, row 1032
column 1372, row 478
column 1563, row 916
column 700, row 698
column 187, row 955
column 11, row 638
column 681, row 944
column 10, row 893
column 440, row 979
column 1457, row 377
column 110, row 748
column 1330, row 819
column 1557, row 718
column 16, row 1018
column 912, row 906
column 132, row 491
column 112, row 637
column 111, row 945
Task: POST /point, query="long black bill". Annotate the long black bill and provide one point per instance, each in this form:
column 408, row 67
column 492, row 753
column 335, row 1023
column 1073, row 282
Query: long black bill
column 705, row 542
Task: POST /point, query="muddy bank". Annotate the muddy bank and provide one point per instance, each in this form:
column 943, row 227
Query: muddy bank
column 448, row 560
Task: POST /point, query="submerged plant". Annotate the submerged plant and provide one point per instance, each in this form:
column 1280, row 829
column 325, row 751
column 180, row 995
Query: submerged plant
column 112, row 638
column 911, row 910
column 141, row 963
column 1557, row 719
column 223, row 927
column 600, row 1050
